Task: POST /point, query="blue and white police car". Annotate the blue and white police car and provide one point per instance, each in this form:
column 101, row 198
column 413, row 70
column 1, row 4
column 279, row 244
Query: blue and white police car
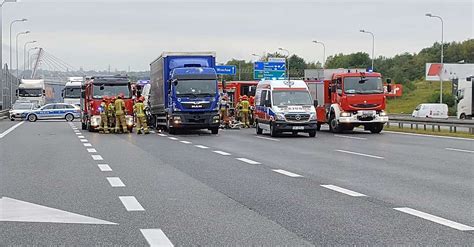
column 54, row 111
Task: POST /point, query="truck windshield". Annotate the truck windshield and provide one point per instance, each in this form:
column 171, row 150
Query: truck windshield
column 196, row 88
column 283, row 98
column 101, row 90
column 30, row 92
column 72, row 92
column 363, row 85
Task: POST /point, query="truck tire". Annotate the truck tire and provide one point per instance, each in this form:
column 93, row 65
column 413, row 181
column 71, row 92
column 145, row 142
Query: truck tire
column 333, row 125
column 215, row 131
column 376, row 128
column 273, row 131
column 463, row 116
column 312, row 133
column 258, row 129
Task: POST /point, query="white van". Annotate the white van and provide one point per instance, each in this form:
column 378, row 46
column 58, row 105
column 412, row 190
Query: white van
column 284, row 106
column 431, row 111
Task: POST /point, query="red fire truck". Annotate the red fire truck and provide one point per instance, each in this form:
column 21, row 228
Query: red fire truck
column 94, row 89
column 351, row 99
column 235, row 89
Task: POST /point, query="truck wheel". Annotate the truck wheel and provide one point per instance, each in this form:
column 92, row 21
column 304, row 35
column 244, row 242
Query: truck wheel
column 32, row 118
column 215, row 131
column 376, row 128
column 273, row 131
column 69, row 117
column 259, row 130
column 333, row 125
column 463, row 116
column 312, row 133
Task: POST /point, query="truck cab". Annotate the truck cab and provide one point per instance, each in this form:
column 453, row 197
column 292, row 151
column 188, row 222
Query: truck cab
column 32, row 90
column 284, row 106
column 353, row 99
column 71, row 92
column 464, row 95
column 93, row 91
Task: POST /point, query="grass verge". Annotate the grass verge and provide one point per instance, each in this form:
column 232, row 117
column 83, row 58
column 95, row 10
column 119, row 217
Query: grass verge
column 429, row 132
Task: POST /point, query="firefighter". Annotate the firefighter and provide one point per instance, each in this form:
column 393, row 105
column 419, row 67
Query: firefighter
column 120, row 115
column 111, row 114
column 238, row 110
column 103, row 128
column 139, row 110
column 224, row 108
column 252, row 109
column 245, row 110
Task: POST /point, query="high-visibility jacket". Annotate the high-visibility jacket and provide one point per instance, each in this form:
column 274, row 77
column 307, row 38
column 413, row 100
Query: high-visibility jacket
column 245, row 105
column 119, row 107
column 103, row 108
column 110, row 109
column 139, row 109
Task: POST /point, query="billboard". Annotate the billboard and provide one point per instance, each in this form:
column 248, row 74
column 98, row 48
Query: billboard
column 448, row 72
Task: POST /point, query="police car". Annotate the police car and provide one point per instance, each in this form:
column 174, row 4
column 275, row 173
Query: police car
column 54, row 111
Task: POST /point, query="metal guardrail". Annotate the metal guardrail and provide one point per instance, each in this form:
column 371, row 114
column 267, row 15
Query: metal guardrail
column 3, row 114
column 435, row 124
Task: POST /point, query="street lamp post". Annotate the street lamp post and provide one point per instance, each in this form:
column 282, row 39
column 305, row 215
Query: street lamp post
column 442, row 55
column 287, row 62
column 24, row 52
column 17, row 68
column 324, row 51
column 373, row 46
column 10, row 55
column 34, row 48
column 2, row 79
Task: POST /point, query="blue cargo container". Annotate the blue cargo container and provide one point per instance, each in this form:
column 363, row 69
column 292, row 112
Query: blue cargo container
column 183, row 92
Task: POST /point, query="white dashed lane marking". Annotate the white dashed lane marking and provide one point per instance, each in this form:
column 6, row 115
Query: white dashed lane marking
column 185, row 142
column 115, row 182
column 97, row 157
column 342, row 190
column 104, row 168
column 91, row 150
column 173, row 138
column 83, row 140
column 80, row 137
column 359, row 154
column 201, row 146
column 156, row 238
column 131, row 203
column 267, row 138
column 87, row 145
column 221, row 153
column 436, row 219
column 351, row 137
column 162, row 135
column 460, row 150
column 249, row 161
column 287, row 173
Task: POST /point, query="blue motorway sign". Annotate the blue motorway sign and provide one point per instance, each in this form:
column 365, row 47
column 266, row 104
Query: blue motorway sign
column 263, row 74
column 225, row 69
column 280, row 66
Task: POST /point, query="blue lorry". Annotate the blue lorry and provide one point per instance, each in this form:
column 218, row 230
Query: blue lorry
column 183, row 92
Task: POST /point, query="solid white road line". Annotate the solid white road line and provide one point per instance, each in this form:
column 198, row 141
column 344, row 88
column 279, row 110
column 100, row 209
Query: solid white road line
column 131, row 203
column 267, row 138
column 91, row 150
column 104, row 168
column 115, row 182
column 201, row 146
column 360, row 154
column 342, row 190
column 248, row 161
column 287, row 173
column 87, row 145
column 460, row 150
column 80, row 137
column 162, row 135
column 83, row 140
column 221, row 153
column 414, row 134
column 97, row 157
column 185, row 142
column 351, row 137
column 156, row 238
column 10, row 129
column 173, row 138
column 436, row 219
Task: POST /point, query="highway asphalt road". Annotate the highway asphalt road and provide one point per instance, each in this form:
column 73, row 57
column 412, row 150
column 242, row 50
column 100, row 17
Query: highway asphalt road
column 60, row 185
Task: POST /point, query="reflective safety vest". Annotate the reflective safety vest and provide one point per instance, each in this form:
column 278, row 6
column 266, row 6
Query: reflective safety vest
column 245, row 105
column 119, row 107
column 110, row 109
column 139, row 109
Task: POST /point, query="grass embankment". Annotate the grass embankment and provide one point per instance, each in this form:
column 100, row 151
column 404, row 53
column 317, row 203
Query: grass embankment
column 421, row 94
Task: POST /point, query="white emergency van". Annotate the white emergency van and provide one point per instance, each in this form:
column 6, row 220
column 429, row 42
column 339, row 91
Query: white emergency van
column 284, row 106
column 431, row 111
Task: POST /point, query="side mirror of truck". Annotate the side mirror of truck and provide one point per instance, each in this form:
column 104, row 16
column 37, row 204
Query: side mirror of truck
column 16, row 92
column 83, row 94
column 62, row 94
column 469, row 78
column 44, row 92
column 175, row 82
column 315, row 103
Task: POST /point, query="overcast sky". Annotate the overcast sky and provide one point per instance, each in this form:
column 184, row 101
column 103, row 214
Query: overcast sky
column 93, row 34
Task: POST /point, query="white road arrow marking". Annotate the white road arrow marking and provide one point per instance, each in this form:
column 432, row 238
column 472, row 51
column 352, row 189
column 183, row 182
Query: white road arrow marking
column 20, row 211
